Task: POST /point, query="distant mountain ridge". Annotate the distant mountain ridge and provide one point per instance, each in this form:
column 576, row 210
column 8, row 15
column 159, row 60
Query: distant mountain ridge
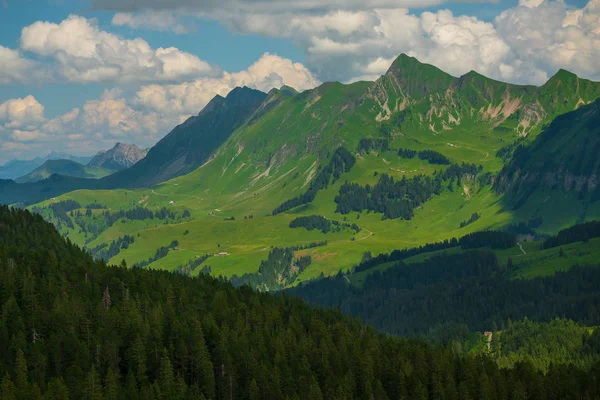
column 65, row 168
column 17, row 168
column 121, row 156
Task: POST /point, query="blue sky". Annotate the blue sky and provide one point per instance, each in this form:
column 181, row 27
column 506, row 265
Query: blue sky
column 131, row 77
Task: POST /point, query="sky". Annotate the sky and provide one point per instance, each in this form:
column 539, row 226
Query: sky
column 78, row 76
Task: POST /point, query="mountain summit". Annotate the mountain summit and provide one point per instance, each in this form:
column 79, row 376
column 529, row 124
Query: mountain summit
column 190, row 144
column 121, row 156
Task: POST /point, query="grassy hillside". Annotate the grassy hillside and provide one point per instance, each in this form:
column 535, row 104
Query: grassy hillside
column 287, row 142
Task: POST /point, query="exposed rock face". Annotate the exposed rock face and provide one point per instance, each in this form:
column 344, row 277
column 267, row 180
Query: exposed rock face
column 120, row 157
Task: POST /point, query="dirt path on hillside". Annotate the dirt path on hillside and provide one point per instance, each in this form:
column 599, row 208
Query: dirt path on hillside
column 522, row 249
column 366, row 237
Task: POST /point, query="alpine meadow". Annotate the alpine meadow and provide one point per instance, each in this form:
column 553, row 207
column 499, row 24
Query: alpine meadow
column 358, row 225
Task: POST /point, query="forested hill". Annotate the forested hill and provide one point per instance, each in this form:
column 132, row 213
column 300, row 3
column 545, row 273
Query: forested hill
column 73, row 328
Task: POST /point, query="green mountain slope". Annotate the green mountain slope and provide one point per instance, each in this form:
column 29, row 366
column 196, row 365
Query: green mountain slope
column 565, row 156
column 192, row 143
column 65, row 168
column 284, row 149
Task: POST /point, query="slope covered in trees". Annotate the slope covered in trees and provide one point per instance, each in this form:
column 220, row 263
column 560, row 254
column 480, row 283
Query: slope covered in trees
column 469, row 288
column 74, row 328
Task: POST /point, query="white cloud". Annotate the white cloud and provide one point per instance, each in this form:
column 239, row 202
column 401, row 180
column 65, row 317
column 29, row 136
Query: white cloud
column 16, row 113
column 152, row 112
column 524, row 44
column 259, row 6
column 153, row 20
column 28, row 136
column 84, row 53
column 270, row 71
column 16, row 68
column 552, row 35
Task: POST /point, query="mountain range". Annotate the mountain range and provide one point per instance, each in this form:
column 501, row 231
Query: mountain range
column 119, row 157
column 16, row 168
column 416, row 157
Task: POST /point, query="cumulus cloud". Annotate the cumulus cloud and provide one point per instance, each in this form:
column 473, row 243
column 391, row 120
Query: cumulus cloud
column 548, row 35
column 153, row 20
column 270, row 71
column 263, row 6
column 351, row 40
column 16, row 113
column 84, row 53
column 14, row 67
column 152, row 112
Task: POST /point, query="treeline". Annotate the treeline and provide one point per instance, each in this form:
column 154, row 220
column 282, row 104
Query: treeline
column 559, row 341
column 321, row 223
column 578, row 233
column 469, row 288
column 398, row 199
column 407, row 153
column 433, row 157
column 393, row 199
column 489, row 238
column 398, row 255
column 72, row 328
column 60, row 210
column 191, row 266
column 105, row 251
column 276, row 272
column 474, row 217
column 368, row 144
column 342, row 161
column 493, row 239
column 525, row 228
column 506, row 152
column 161, row 252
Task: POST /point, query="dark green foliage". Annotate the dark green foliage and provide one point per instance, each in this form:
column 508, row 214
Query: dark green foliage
column 541, row 344
column 95, row 206
column 321, row 223
column 493, row 239
column 161, row 252
column 61, row 209
column 106, row 252
column 342, row 161
column 506, row 152
column 407, row 153
column 90, row 331
column 525, row 228
column 186, row 213
column 567, row 148
column 474, row 217
column 192, row 265
column 398, row 255
column 398, row 199
column 469, row 288
column 577, row 233
column 367, row 144
column 433, row 157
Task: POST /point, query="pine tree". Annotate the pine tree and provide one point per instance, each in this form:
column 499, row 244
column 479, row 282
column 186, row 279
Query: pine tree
column 111, row 386
column 21, row 380
column 8, row 389
column 93, row 385
column 166, row 377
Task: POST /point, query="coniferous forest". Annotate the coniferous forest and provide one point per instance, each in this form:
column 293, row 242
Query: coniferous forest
column 73, row 328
